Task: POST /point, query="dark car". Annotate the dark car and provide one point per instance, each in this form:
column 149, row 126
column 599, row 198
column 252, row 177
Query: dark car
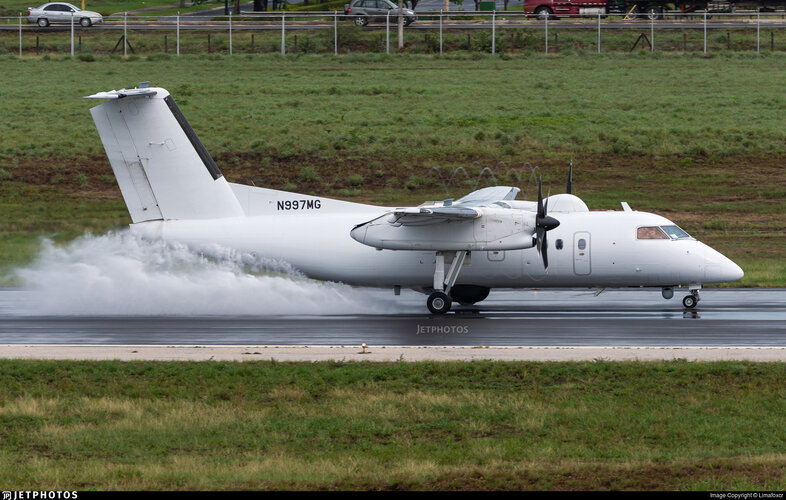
column 366, row 11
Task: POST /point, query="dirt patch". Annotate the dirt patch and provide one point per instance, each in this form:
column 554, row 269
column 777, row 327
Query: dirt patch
column 598, row 476
column 671, row 178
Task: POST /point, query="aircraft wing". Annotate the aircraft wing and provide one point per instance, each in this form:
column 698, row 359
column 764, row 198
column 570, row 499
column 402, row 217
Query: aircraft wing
column 428, row 215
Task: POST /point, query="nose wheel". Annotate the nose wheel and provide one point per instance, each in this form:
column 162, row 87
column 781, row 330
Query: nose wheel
column 691, row 300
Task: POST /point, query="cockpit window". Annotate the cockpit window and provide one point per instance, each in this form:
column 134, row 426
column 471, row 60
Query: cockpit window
column 675, row 232
column 651, row 233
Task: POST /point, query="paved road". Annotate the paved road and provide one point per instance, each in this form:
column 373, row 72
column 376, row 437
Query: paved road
column 724, row 317
column 195, row 22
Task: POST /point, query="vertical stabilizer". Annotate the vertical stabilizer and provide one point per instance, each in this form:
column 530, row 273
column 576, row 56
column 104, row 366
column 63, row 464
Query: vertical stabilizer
column 163, row 169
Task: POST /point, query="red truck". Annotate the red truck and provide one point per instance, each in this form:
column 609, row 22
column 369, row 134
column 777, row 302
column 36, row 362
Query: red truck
column 650, row 9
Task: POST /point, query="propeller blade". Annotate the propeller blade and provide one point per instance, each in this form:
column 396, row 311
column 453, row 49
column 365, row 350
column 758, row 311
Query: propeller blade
column 540, row 235
column 570, row 178
column 546, row 203
column 541, row 209
column 543, row 223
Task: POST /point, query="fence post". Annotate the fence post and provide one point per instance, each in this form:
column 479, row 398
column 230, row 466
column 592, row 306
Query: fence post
column 705, row 30
column 493, row 32
column 652, row 35
column 335, row 32
column 230, row 33
column 387, row 32
column 547, row 32
column 178, row 32
column 72, row 34
column 758, row 26
column 283, row 35
column 440, row 33
column 125, row 34
column 598, row 32
column 20, row 34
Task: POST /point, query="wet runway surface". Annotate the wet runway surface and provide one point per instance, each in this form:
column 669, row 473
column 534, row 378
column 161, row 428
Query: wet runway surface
column 724, row 317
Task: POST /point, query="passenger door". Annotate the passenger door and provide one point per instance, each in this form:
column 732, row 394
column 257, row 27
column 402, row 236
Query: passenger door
column 52, row 13
column 373, row 10
column 65, row 14
column 582, row 264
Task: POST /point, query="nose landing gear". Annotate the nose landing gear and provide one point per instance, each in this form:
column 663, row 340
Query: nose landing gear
column 691, row 300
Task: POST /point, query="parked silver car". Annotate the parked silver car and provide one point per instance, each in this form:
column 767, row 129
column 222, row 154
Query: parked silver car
column 60, row 12
column 365, row 11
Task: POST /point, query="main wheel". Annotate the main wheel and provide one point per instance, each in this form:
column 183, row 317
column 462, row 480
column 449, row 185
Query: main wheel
column 85, row 21
column 690, row 301
column 43, row 22
column 361, row 21
column 438, row 303
column 469, row 294
column 653, row 13
column 544, row 12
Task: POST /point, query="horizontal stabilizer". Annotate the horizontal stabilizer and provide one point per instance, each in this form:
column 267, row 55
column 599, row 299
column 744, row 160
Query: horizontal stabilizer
column 119, row 94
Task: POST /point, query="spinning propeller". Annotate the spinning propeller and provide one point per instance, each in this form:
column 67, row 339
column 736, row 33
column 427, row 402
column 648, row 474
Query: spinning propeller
column 543, row 223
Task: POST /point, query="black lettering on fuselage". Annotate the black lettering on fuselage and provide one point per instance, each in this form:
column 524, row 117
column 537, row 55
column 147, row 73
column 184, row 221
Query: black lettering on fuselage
column 298, row 205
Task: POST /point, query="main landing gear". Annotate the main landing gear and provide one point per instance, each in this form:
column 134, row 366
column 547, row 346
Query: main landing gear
column 439, row 301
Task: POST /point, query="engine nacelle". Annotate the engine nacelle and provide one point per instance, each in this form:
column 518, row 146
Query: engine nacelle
column 495, row 230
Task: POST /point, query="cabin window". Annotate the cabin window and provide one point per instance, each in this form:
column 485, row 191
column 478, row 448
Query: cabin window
column 559, row 244
column 675, row 232
column 650, row 233
column 582, row 244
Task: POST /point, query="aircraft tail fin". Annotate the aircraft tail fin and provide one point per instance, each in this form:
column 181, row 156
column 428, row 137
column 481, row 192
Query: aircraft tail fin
column 161, row 166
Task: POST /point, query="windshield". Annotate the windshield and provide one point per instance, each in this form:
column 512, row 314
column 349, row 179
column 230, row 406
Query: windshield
column 650, row 233
column 675, row 232
column 389, row 5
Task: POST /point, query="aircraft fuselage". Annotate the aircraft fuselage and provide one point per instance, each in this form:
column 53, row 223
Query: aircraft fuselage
column 592, row 249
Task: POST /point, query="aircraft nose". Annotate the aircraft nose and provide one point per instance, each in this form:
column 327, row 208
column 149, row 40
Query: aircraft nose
column 731, row 271
column 721, row 269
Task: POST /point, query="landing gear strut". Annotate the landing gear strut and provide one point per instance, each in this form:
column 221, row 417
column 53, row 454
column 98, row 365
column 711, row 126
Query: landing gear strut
column 439, row 301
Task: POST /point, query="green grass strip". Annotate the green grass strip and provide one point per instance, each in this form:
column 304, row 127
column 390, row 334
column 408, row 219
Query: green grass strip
column 336, row 425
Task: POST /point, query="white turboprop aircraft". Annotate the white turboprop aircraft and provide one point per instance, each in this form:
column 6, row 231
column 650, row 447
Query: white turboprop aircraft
column 456, row 251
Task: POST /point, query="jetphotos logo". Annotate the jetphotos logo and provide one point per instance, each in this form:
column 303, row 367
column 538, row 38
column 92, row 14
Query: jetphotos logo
column 39, row 495
column 441, row 329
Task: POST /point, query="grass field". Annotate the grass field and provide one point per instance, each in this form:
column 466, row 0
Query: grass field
column 403, row 426
column 699, row 140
